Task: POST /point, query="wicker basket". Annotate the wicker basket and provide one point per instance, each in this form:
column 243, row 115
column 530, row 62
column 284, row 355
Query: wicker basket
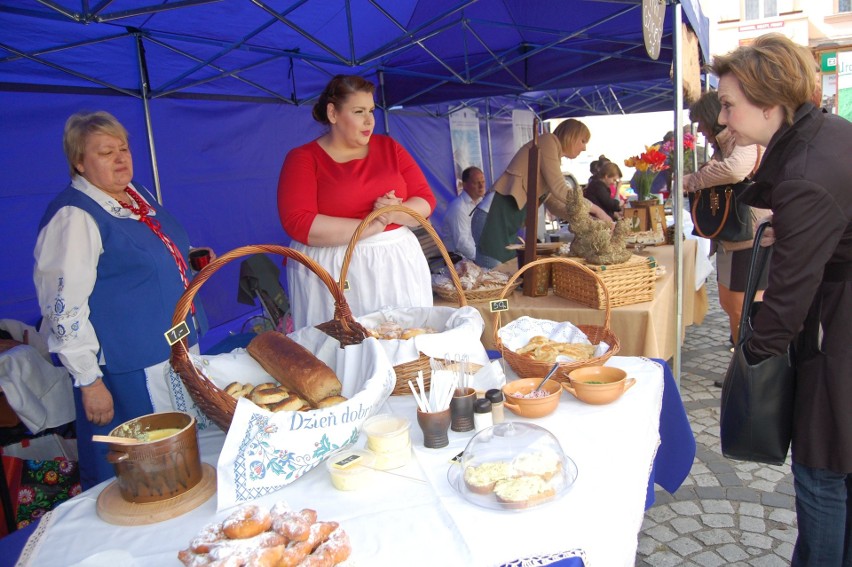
column 407, row 370
column 633, row 281
column 473, row 295
column 213, row 401
column 527, row 367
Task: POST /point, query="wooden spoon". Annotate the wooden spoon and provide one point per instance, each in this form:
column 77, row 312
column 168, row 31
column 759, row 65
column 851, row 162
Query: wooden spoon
column 115, row 439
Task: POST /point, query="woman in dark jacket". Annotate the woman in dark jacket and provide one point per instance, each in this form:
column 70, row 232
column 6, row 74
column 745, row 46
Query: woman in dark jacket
column 765, row 88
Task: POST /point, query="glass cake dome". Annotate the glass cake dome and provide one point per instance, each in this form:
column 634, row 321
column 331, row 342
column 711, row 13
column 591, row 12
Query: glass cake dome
column 513, row 466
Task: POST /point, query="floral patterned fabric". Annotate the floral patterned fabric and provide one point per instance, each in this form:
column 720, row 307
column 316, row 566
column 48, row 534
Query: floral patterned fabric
column 39, row 486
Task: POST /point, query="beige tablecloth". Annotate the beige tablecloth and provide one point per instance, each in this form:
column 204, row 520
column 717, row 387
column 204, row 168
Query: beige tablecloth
column 644, row 329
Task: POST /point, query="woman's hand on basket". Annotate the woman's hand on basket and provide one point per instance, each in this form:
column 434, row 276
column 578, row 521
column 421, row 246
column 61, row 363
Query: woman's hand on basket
column 97, row 401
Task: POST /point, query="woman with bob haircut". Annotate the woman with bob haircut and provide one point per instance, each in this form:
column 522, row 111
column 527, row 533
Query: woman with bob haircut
column 328, row 186
column 765, row 89
column 508, row 208
column 730, row 164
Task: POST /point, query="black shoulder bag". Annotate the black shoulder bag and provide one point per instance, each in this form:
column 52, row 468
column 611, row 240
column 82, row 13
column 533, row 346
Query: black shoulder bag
column 757, row 401
column 718, row 213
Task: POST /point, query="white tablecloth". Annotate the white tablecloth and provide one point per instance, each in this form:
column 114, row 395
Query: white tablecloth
column 400, row 521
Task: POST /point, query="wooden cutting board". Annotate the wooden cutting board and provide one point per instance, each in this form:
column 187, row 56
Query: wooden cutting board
column 113, row 508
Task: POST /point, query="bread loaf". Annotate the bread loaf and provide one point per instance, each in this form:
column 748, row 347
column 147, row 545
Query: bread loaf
column 294, row 366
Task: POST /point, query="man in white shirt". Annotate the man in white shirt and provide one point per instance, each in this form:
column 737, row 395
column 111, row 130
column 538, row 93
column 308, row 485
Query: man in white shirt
column 457, row 233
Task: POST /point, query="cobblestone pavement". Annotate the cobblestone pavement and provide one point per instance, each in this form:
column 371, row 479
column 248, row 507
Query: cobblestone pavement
column 726, row 512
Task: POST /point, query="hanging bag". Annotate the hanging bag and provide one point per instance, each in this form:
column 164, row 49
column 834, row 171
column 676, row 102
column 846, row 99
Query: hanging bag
column 756, row 423
column 718, row 213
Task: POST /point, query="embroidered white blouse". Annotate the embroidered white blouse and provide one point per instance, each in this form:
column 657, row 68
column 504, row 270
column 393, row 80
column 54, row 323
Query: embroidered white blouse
column 69, row 272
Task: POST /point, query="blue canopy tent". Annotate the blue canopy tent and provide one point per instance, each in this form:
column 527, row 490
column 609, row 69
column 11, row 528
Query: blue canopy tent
column 215, row 92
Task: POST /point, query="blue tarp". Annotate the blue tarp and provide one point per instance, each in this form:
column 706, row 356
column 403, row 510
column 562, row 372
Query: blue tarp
column 230, row 83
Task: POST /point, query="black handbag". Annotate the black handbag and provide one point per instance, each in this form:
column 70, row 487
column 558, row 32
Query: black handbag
column 756, row 423
column 718, row 213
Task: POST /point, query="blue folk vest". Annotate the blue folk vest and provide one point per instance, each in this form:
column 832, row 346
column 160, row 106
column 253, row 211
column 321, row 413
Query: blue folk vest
column 137, row 286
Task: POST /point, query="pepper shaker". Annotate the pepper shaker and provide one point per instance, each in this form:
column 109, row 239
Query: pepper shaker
column 495, row 396
column 482, row 414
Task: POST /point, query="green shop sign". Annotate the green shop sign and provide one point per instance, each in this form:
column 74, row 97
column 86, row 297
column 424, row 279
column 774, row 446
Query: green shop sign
column 828, row 62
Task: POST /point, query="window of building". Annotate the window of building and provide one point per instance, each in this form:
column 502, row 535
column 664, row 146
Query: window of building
column 756, row 9
column 844, row 6
column 752, row 9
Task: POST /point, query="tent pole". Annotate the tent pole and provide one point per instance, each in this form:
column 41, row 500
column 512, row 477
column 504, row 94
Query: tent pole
column 677, row 182
column 384, row 102
column 488, row 138
column 145, row 88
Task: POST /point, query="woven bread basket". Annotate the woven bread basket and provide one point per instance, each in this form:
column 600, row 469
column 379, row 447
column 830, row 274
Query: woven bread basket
column 633, row 281
column 213, row 401
column 473, row 295
column 408, row 370
column 527, row 367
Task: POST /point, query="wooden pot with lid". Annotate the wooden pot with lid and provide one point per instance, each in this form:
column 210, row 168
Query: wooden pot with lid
column 163, row 464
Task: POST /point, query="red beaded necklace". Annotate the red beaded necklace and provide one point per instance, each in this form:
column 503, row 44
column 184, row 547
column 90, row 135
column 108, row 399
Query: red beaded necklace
column 143, row 210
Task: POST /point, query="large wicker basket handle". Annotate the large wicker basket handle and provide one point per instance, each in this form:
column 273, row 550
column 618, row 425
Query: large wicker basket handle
column 341, row 308
column 548, row 260
column 424, row 223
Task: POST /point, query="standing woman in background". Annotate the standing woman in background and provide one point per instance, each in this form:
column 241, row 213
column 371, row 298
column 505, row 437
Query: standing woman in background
column 731, row 163
column 328, row 186
column 507, row 213
column 765, row 90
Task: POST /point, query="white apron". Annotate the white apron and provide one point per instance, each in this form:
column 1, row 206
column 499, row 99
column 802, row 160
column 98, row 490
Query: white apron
column 387, row 270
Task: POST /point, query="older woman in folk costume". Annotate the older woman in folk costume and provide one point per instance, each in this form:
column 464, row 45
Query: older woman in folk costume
column 110, row 267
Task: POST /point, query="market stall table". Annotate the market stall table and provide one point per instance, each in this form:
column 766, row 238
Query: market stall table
column 644, row 329
column 408, row 521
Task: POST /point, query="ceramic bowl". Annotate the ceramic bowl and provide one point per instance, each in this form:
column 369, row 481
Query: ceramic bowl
column 598, row 385
column 531, row 407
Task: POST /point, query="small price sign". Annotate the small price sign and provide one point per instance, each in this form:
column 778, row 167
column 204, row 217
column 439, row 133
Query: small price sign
column 498, row 305
column 177, row 332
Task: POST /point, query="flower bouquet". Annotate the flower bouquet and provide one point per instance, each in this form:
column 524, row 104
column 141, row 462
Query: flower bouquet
column 648, row 164
column 688, row 149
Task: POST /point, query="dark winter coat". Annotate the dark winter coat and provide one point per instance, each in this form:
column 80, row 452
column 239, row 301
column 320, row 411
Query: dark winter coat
column 806, row 179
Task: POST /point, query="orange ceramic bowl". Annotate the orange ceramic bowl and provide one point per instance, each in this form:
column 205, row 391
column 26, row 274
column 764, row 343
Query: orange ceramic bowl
column 531, row 407
column 598, row 385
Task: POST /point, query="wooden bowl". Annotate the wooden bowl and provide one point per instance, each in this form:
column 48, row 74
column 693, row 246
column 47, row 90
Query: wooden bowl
column 531, row 407
column 598, row 385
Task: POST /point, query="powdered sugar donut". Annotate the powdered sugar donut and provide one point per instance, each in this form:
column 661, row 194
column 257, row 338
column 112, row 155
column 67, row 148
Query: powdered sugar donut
column 248, row 521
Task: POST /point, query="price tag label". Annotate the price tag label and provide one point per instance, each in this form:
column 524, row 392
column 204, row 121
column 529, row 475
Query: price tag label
column 346, row 462
column 177, row 332
column 498, row 305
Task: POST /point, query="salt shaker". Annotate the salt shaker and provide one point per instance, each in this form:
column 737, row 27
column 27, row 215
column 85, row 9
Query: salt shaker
column 482, row 414
column 495, row 396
